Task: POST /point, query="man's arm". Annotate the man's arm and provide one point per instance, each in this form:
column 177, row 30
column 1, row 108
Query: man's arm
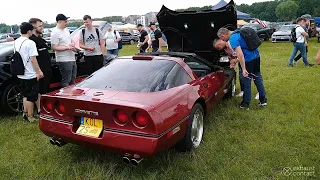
column 146, row 39
column 35, row 64
column 56, row 47
column 160, row 44
column 241, row 61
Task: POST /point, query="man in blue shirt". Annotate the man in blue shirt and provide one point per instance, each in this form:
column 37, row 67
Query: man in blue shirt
column 250, row 64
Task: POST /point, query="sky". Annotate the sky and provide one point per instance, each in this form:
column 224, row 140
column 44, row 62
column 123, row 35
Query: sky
column 23, row 10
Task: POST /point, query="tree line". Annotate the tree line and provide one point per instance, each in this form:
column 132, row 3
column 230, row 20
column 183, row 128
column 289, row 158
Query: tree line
column 277, row 10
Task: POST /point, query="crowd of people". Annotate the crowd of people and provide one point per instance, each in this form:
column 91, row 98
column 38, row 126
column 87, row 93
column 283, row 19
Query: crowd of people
column 36, row 58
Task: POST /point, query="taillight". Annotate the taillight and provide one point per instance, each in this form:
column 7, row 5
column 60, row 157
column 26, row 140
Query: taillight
column 47, row 105
column 121, row 117
column 60, row 108
column 141, row 119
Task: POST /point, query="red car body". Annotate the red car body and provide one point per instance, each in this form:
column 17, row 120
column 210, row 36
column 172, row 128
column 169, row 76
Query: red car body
column 167, row 111
column 149, row 102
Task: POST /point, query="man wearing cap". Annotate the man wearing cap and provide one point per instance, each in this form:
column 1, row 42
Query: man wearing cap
column 30, row 80
column 92, row 41
column 64, row 50
column 156, row 38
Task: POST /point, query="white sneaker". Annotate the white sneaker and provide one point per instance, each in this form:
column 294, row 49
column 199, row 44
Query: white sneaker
column 240, row 94
column 257, row 96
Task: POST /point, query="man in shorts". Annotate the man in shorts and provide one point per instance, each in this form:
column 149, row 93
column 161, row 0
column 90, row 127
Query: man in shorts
column 32, row 73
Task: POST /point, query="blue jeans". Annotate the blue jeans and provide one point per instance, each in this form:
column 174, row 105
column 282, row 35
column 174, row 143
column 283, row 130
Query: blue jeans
column 302, row 48
column 113, row 51
column 247, row 87
column 240, row 79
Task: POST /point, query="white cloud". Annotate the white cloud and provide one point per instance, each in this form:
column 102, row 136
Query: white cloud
column 47, row 10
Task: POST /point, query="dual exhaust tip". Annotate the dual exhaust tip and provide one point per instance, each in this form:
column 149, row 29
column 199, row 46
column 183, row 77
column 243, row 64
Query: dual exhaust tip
column 134, row 161
column 58, row 142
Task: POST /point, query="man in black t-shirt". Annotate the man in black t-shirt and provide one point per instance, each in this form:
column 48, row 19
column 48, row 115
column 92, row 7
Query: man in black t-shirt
column 44, row 58
column 156, row 38
column 143, row 38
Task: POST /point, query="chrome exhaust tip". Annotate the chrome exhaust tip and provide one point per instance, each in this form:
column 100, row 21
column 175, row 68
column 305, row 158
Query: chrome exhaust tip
column 60, row 142
column 126, row 160
column 136, row 162
column 52, row 141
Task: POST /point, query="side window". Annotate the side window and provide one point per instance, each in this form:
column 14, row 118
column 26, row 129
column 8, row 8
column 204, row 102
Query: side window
column 177, row 77
column 197, row 67
column 3, row 37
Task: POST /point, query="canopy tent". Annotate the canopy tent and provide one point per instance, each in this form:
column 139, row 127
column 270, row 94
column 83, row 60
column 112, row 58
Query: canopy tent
column 127, row 27
column 240, row 15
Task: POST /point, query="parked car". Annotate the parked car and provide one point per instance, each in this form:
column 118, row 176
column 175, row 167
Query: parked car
column 8, row 37
column 283, row 34
column 128, row 37
column 10, row 91
column 156, row 100
column 263, row 33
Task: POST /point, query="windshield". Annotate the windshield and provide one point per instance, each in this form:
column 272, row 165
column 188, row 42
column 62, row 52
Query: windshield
column 286, row 28
column 253, row 26
column 137, row 76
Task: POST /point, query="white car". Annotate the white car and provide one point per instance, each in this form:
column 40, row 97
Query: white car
column 283, row 34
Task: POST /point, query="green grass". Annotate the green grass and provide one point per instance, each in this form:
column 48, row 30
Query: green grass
column 255, row 144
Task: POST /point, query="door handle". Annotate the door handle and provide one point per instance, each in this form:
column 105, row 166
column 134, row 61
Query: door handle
column 205, row 85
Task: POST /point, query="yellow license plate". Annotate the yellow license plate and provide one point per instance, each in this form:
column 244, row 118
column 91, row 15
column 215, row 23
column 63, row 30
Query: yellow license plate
column 90, row 127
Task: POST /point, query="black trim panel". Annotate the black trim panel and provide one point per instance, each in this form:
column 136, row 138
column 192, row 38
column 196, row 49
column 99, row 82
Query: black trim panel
column 50, row 118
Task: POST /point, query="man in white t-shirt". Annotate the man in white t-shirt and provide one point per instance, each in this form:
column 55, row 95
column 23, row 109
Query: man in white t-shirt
column 64, row 50
column 301, row 43
column 112, row 39
column 30, row 80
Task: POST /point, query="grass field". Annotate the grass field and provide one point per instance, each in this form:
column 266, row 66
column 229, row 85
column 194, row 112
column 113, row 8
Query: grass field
column 254, row 144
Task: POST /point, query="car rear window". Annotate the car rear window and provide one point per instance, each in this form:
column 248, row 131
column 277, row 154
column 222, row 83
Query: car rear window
column 137, row 76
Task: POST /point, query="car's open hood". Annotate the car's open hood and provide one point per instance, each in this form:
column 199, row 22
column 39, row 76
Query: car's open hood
column 194, row 31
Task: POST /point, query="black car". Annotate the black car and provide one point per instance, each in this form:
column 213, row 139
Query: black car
column 263, row 33
column 128, row 38
column 10, row 96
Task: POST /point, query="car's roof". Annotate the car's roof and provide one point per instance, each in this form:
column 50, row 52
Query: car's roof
column 168, row 58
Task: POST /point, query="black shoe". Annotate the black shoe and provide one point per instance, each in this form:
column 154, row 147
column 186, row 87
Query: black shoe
column 244, row 106
column 310, row 65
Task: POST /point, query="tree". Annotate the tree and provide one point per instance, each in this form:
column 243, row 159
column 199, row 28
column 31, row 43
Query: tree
column 287, row 11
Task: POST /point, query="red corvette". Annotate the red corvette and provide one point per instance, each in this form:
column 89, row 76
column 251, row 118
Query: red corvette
column 141, row 105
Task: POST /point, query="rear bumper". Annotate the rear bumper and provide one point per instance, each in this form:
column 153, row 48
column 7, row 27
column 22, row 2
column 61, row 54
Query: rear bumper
column 117, row 142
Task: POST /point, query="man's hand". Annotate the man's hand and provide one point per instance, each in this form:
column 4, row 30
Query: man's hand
column 39, row 75
column 245, row 73
column 91, row 48
column 160, row 49
column 306, row 43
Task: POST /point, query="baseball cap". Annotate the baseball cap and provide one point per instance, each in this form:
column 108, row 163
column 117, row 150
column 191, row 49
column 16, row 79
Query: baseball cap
column 25, row 26
column 61, row 17
column 152, row 23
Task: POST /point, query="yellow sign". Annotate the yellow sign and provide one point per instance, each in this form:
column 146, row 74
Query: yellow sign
column 90, row 127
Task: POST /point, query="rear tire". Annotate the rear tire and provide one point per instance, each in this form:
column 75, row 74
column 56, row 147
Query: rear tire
column 11, row 98
column 194, row 132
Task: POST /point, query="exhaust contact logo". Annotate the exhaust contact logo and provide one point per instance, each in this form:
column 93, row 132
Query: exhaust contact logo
column 299, row 171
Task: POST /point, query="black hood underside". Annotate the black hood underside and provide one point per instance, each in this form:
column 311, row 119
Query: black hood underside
column 195, row 31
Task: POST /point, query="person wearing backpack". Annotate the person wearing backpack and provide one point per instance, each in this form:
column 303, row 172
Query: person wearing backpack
column 113, row 41
column 245, row 43
column 26, row 52
column 298, row 37
column 92, row 41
